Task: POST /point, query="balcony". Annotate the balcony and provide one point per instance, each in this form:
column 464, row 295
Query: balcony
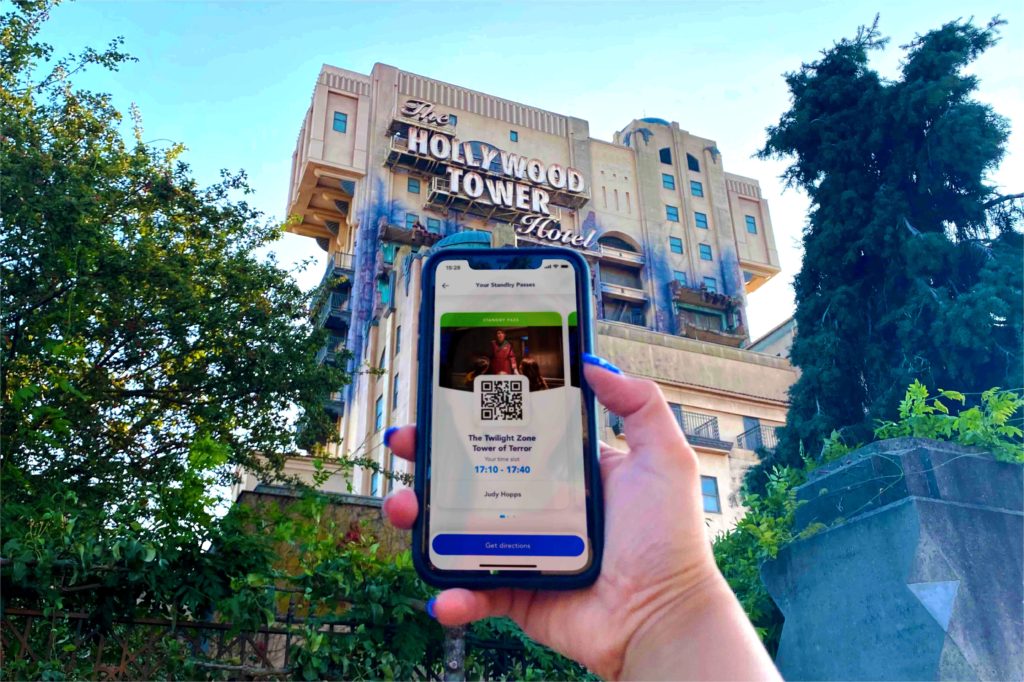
column 333, row 311
column 335, row 404
column 703, row 298
column 400, row 156
column 621, row 256
column 328, row 356
column 441, row 196
column 759, row 437
column 734, row 337
column 624, row 293
column 415, row 236
column 339, row 264
column 700, row 429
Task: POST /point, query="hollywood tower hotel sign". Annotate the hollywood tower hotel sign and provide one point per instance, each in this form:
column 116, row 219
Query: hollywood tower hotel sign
column 481, row 179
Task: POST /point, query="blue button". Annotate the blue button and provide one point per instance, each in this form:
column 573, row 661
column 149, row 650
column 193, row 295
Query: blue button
column 508, row 545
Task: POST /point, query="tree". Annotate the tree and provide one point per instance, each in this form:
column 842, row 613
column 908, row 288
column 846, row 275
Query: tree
column 912, row 260
column 147, row 350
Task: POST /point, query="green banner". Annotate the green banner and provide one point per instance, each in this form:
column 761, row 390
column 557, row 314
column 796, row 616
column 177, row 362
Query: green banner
column 572, row 319
column 501, row 320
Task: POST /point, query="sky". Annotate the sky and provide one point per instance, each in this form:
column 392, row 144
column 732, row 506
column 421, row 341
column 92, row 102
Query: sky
column 232, row 80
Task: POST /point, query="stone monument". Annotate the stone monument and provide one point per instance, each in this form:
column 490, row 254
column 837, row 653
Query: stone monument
column 917, row 573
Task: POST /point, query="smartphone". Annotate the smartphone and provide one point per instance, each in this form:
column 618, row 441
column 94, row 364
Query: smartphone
column 507, row 461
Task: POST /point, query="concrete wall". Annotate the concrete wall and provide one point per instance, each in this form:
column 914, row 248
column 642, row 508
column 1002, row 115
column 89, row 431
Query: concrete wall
column 918, row 575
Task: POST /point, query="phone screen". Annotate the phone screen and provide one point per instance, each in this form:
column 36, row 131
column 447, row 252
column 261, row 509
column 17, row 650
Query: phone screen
column 506, row 479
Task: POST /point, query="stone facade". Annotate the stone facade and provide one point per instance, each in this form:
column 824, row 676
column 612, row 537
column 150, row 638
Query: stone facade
column 675, row 244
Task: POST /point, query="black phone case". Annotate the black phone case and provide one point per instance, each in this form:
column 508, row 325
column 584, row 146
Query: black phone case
column 592, row 472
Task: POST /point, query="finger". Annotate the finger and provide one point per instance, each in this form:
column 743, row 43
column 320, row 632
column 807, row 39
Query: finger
column 402, row 441
column 649, row 424
column 609, row 450
column 458, row 606
column 610, row 458
column 400, row 508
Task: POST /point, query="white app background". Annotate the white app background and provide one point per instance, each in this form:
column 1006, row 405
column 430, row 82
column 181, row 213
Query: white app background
column 495, row 482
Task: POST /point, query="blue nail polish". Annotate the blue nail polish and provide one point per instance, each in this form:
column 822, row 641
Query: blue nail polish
column 387, row 435
column 600, row 362
column 430, row 608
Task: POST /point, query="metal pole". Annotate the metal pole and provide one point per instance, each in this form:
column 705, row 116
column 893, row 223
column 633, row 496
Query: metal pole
column 455, row 654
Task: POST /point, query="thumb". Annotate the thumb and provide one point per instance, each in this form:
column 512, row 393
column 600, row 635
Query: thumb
column 649, row 423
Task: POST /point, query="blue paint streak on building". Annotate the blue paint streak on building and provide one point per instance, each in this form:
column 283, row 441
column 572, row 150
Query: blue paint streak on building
column 732, row 278
column 645, row 133
column 363, row 288
column 660, row 271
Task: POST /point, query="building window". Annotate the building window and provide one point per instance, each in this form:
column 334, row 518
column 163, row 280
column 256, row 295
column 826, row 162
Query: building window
column 665, row 154
column 705, row 252
column 668, row 181
column 679, row 276
column 378, row 413
column 696, row 189
column 394, row 393
column 701, row 219
column 414, row 186
column 453, row 120
column 410, row 220
column 340, row 122
column 398, row 339
column 513, row 135
column 375, row 484
column 751, row 224
column 709, row 491
column 711, row 284
column 692, row 163
column 672, row 213
column 434, row 225
column 675, row 244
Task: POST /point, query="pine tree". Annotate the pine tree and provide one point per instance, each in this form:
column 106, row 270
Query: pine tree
column 912, row 259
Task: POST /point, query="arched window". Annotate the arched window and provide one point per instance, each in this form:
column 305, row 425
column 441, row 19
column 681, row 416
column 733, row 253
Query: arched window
column 617, row 243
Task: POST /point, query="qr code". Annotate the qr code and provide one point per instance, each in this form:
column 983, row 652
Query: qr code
column 501, row 400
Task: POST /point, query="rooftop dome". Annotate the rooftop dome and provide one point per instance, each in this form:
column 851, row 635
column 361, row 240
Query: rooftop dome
column 659, row 121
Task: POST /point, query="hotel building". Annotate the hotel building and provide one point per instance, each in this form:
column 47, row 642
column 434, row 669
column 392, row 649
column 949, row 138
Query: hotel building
column 388, row 164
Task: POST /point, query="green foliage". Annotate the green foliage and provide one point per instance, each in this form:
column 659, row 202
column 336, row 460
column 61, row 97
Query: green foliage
column 498, row 649
column 986, row 425
column 147, row 349
column 764, row 529
column 912, row 261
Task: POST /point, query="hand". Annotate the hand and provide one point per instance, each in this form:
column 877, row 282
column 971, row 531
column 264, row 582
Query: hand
column 658, row 578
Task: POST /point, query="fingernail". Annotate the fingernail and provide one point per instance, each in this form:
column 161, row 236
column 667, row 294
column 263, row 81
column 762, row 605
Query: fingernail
column 387, row 435
column 430, row 607
column 600, row 362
